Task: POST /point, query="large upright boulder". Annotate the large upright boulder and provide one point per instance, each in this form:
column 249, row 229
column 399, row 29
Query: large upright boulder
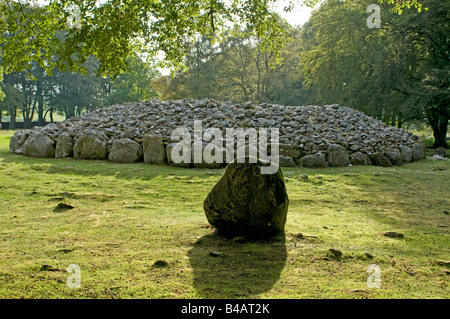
column 245, row 202
column 337, row 156
column 39, row 145
column 17, row 140
column 64, row 146
column 418, row 151
column 313, row 161
column 379, row 159
column 359, row 158
column 154, row 150
column 395, row 157
column 125, row 150
column 286, row 161
column 406, row 153
column 169, row 148
column 91, row 145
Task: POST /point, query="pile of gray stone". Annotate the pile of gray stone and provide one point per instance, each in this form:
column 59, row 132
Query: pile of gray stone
column 310, row 136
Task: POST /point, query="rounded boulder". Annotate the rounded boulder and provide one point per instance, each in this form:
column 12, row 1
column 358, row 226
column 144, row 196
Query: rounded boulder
column 39, row 145
column 245, row 202
column 64, row 146
column 91, row 145
column 125, row 150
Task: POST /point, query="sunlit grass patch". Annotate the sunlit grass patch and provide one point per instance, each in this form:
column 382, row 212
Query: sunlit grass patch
column 139, row 231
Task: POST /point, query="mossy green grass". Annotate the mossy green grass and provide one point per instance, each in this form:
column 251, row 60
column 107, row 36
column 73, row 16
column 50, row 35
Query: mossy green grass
column 139, row 231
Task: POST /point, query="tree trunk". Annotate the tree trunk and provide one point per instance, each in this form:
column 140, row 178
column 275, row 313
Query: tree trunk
column 28, row 116
column 440, row 134
column 28, row 112
column 40, row 109
column 26, row 123
column 12, row 121
column 69, row 112
column 439, row 124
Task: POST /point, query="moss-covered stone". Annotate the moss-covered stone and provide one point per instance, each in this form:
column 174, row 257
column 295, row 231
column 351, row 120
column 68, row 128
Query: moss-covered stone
column 91, row 145
column 245, row 202
column 379, row 159
column 39, row 145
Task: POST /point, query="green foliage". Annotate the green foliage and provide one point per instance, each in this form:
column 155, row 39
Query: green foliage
column 13, row 100
column 113, row 30
column 31, row 86
column 133, row 85
column 2, row 94
column 238, row 70
column 72, row 93
column 13, row 97
column 397, row 73
column 400, row 5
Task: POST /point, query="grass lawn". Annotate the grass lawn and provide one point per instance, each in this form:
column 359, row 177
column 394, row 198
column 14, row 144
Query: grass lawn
column 139, row 231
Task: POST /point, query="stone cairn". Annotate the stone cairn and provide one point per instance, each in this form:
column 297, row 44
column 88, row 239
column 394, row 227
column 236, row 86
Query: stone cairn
column 310, row 136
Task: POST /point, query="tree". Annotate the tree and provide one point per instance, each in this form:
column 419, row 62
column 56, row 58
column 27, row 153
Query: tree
column 235, row 70
column 74, row 93
column 397, row 73
column 429, row 32
column 112, row 30
column 35, row 92
column 250, row 72
column 133, row 85
column 13, row 100
column 29, row 90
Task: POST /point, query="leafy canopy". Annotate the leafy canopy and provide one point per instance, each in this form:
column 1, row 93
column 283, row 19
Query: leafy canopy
column 64, row 33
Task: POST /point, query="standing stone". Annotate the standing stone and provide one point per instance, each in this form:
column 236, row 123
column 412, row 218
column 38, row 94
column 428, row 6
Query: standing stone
column 39, row 145
column 359, row 158
column 91, row 145
column 125, row 150
column 286, row 161
column 406, row 153
column 395, row 157
column 17, row 140
column 169, row 148
column 313, row 161
column 64, row 146
column 245, row 202
column 337, row 156
column 198, row 150
column 290, row 151
column 154, row 150
column 379, row 159
column 418, row 151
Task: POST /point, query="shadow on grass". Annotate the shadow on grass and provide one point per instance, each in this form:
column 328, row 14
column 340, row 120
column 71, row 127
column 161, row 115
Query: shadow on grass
column 92, row 168
column 227, row 269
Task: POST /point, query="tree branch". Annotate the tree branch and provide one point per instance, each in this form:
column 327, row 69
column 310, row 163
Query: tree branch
column 440, row 112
